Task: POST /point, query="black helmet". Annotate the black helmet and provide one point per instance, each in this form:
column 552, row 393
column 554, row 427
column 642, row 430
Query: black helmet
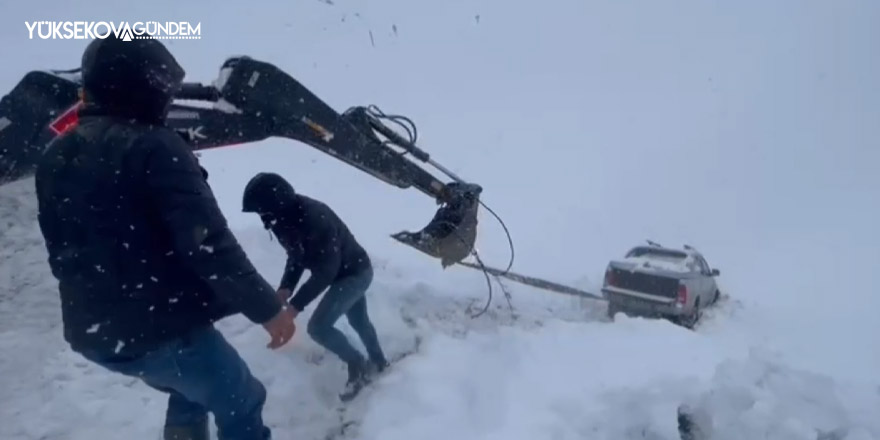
column 265, row 193
column 135, row 79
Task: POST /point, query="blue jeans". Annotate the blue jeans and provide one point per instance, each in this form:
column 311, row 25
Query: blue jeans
column 201, row 373
column 346, row 296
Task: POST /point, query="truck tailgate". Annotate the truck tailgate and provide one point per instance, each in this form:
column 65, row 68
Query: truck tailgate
column 642, row 282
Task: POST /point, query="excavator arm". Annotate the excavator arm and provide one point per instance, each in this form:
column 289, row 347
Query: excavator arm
column 251, row 101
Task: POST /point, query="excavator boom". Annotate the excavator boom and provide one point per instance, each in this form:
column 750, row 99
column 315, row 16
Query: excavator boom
column 251, row 101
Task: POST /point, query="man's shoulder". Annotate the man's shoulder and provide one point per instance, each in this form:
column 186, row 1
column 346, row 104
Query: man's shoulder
column 157, row 137
column 318, row 213
column 64, row 142
column 108, row 130
column 54, row 157
column 106, row 142
column 159, row 145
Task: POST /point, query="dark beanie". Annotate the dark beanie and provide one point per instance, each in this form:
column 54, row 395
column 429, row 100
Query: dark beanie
column 136, row 78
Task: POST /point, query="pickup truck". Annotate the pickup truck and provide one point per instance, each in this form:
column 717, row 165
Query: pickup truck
column 662, row 282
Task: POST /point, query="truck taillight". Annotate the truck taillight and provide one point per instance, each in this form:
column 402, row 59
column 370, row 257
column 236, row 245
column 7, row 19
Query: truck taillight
column 609, row 277
column 682, row 294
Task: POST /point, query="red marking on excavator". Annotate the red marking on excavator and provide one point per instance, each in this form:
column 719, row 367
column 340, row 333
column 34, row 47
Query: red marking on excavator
column 67, row 120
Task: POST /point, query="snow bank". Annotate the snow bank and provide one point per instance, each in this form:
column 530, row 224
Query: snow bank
column 30, row 315
column 549, row 368
column 548, row 382
column 762, row 398
column 21, row 243
column 592, row 380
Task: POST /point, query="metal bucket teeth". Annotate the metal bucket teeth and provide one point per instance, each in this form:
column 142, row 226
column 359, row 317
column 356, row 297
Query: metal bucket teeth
column 452, row 233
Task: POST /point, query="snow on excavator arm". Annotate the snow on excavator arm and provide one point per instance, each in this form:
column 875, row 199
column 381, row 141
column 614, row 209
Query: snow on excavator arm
column 251, row 101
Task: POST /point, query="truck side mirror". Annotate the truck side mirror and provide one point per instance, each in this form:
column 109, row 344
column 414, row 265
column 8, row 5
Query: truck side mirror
column 716, row 272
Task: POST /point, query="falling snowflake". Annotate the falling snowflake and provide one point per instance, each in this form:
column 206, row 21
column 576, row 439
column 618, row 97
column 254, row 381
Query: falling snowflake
column 93, row 329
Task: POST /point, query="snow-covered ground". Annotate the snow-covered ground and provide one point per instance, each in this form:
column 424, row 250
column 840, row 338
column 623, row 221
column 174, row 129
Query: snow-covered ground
column 747, row 129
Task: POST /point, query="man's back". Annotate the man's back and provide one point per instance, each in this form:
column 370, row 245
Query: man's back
column 136, row 239
column 318, row 228
column 119, row 282
column 142, row 253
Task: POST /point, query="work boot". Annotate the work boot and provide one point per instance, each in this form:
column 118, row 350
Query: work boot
column 198, row 432
column 380, row 364
column 358, row 376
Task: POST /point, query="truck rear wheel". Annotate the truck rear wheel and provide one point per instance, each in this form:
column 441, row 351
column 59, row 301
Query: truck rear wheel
column 612, row 309
column 691, row 320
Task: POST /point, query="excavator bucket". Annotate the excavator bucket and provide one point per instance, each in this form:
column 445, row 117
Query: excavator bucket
column 452, row 233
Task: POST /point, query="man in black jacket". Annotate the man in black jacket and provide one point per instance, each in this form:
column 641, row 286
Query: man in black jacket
column 144, row 258
column 315, row 238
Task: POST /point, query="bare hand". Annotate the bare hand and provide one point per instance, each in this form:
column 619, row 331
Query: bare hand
column 280, row 328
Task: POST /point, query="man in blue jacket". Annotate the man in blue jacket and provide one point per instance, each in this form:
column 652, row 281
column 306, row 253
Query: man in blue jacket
column 144, row 259
column 315, row 238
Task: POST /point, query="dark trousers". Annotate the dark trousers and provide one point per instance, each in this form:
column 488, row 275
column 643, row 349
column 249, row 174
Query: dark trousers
column 346, row 297
column 201, row 373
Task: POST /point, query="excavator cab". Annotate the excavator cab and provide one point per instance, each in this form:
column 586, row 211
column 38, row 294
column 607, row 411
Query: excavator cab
column 251, row 101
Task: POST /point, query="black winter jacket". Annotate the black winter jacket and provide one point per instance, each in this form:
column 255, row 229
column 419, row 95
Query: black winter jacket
column 136, row 240
column 316, row 239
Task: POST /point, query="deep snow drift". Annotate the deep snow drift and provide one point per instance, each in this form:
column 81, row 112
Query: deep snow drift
column 550, row 368
column 746, row 129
